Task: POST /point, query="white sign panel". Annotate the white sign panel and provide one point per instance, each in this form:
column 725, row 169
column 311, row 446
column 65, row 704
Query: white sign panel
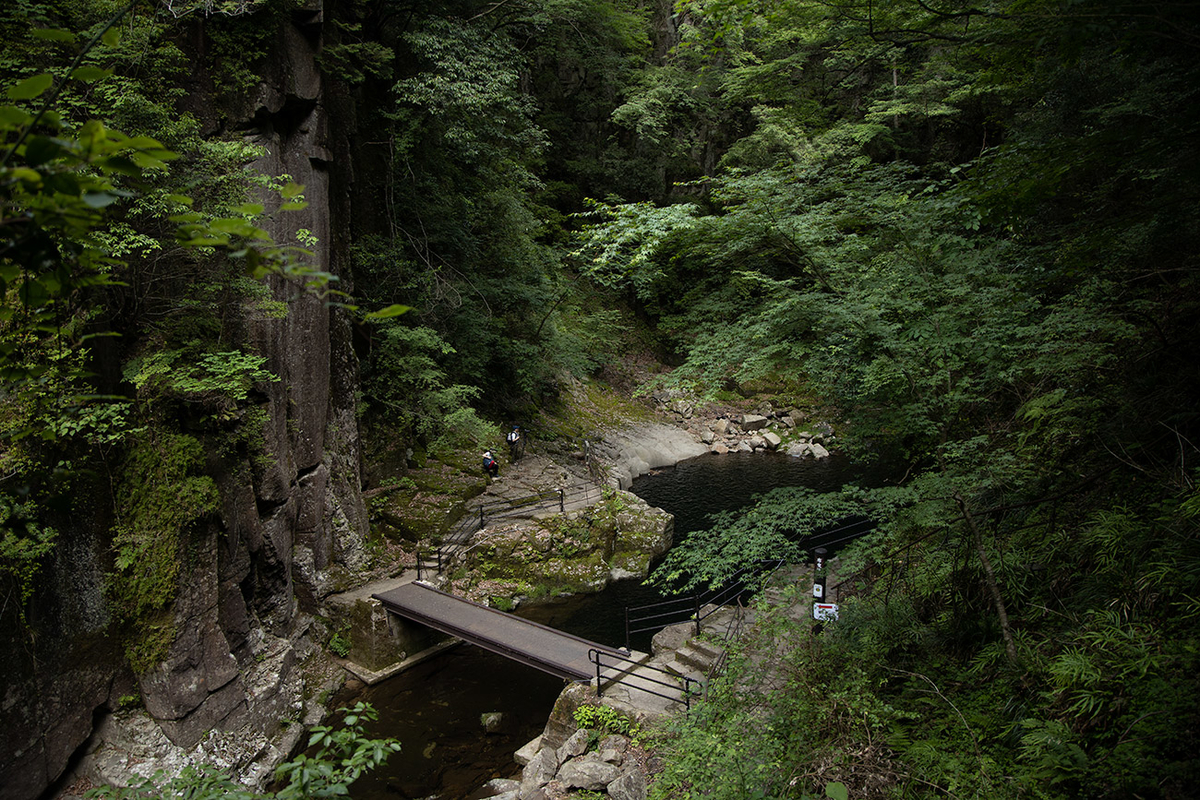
column 825, row 611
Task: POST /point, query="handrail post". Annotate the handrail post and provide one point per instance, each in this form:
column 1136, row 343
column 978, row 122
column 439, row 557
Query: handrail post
column 628, row 647
column 418, row 565
column 596, row 653
column 562, row 502
column 481, row 516
column 696, row 597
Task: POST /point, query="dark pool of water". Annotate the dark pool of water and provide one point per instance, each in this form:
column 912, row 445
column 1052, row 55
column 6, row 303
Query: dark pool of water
column 434, row 709
column 693, row 490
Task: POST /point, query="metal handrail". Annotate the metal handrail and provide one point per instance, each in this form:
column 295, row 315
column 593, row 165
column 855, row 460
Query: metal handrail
column 731, row 633
column 521, row 502
column 686, row 691
column 422, row 566
column 469, row 524
column 876, row 565
column 734, row 588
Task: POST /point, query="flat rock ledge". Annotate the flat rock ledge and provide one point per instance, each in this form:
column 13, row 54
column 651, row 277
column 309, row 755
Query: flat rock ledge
column 638, row 449
column 698, row 430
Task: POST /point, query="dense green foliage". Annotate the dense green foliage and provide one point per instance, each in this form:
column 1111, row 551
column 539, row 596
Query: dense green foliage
column 481, row 112
column 969, row 229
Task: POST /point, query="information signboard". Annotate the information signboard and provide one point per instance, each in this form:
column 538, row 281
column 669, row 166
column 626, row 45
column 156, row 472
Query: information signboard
column 825, row 611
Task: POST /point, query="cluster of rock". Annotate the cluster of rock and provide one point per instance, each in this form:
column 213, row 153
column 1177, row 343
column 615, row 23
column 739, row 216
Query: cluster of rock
column 554, row 772
column 767, row 428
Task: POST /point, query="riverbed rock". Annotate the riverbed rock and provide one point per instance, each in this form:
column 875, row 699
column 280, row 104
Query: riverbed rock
column 539, row 770
column 631, row 785
column 752, row 422
column 528, row 751
column 587, row 772
column 561, row 724
column 575, row 745
column 614, row 742
column 499, row 789
column 772, row 439
column 637, row 450
column 807, row 450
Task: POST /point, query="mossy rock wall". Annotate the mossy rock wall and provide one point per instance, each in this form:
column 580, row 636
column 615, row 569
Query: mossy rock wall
column 580, row 551
column 377, row 639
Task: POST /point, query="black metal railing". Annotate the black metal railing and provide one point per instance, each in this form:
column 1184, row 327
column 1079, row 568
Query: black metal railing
column 656, row 616
column 684, row 687
column 467, row 525
column 499, row 508
column 732, row 633
column 866, row 577
column 595, row 467
column 429, row 562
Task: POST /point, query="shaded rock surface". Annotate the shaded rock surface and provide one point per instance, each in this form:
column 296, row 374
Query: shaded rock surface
column 290, row 522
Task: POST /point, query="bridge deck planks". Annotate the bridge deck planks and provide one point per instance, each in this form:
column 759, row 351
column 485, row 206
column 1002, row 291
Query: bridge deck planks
column 537, row 645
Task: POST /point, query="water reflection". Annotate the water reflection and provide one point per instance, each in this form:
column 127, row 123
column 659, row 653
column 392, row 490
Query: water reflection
column 434, row 709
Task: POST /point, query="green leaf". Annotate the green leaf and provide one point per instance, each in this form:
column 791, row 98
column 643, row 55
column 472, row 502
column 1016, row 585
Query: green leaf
column 294, row 205
column 250, row 209
column 90, row 74
column 837, row 791
column 99, row 199
column 146, row 161
column 393, row 310
column 41, row 149
column 26, row 174
column 31, row 87
column 111, row 37
column 119, row 164
column 53, row 35
column 13, row 117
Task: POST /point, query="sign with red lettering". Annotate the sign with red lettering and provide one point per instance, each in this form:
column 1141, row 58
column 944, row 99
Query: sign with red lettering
column 825, row 611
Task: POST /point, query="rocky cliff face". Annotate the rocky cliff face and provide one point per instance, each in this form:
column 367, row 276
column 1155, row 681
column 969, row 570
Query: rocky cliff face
column 288, row 523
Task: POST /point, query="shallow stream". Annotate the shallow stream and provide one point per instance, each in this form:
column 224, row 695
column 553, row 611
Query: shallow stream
column 434, row 709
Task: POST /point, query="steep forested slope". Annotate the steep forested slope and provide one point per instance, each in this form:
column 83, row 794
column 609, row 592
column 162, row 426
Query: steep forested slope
column 972, row 228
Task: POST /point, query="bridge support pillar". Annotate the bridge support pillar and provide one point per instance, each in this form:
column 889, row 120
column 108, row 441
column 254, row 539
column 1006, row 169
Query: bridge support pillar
column 378, row 639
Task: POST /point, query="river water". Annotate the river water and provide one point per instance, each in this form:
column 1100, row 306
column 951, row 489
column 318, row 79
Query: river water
column 434, row 709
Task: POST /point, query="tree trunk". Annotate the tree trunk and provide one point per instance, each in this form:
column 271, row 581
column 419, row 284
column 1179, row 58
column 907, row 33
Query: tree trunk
column 997, row 599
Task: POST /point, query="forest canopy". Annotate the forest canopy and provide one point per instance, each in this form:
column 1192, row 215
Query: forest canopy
column 968, row 229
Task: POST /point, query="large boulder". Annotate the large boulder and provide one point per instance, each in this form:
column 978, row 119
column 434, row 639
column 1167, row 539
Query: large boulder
column 631, row 785
column 637, row 450
column 753, row 422
column 587, row 772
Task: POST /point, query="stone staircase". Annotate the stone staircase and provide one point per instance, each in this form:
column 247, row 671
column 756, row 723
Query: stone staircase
column 695, row 659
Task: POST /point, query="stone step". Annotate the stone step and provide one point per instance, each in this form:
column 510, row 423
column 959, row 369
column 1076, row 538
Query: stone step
column 685, row 670
column 697, row 656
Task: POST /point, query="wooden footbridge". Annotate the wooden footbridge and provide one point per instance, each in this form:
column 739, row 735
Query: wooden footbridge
column 511, row 636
